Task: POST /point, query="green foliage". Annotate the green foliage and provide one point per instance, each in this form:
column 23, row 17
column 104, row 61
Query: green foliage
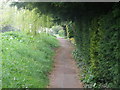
column 70, row 32
column 63, row 11
column 23, row 19
column 56, row 29
column 97, row 52
column 0, row 63
column 26, row 59
column 61, row 33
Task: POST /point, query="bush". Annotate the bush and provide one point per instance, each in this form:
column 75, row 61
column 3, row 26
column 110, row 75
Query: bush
column 97, row 50
column 72, row 40
column 61, row 33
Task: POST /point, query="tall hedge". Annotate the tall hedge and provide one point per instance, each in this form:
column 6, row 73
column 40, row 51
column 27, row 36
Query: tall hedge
column 97, row 54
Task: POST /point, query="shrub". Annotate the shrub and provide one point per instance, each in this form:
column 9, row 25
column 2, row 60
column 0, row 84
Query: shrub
column 61, row 33
column 97, row 54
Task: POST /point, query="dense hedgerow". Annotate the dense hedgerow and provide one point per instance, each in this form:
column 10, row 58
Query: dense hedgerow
column 26, row 59
column 97, row 52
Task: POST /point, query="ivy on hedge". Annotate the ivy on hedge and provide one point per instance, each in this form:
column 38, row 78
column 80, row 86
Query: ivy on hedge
column 97, row 52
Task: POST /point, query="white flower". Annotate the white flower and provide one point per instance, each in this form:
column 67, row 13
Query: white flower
column 14, row 78
column 20, row 40
column 11, row 37
column 94, row 85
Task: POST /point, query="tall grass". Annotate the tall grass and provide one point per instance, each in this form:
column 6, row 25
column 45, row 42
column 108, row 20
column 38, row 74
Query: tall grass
column 27, row 59
column 23, row 19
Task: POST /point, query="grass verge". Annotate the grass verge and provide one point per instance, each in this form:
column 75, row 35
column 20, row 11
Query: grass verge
column 26, row 59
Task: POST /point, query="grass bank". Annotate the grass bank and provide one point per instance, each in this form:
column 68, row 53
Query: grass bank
column 26, row 59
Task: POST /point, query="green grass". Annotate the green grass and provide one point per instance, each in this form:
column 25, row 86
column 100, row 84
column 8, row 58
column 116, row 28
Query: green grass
column 26, row 59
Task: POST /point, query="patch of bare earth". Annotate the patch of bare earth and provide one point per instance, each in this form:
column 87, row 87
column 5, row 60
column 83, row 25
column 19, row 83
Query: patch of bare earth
column 65, row 72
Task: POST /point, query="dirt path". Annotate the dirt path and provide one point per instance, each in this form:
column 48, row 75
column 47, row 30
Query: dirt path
column 65, row 73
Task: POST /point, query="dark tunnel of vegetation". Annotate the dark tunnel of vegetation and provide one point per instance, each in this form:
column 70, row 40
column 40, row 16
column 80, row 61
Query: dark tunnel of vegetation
column 95, row 28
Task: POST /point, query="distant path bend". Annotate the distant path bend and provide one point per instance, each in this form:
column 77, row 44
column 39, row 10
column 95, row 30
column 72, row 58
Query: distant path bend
column 65, row 72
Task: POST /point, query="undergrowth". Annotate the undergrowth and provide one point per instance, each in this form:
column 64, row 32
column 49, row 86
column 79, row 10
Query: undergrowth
column 26, row 59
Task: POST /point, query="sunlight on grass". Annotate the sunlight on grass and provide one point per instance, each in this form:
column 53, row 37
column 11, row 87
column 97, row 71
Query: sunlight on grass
column 27, row 59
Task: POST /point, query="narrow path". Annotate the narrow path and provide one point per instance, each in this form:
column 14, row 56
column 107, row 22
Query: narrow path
column 65, row 73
